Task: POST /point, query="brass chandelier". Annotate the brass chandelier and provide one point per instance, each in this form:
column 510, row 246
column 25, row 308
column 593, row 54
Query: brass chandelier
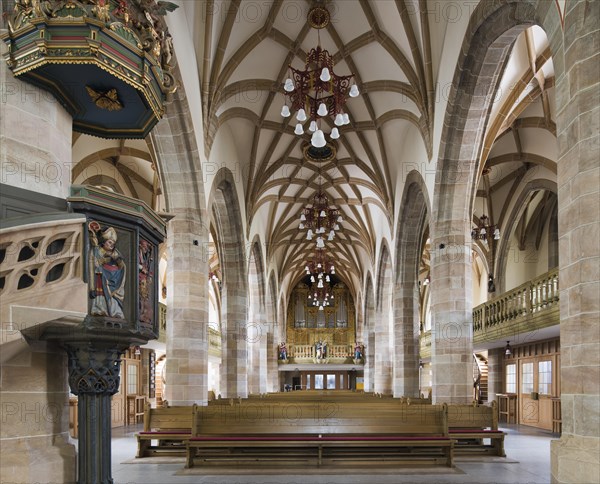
column 320, row 218
column 317, row 92
column 320, row 268
column 320, row 296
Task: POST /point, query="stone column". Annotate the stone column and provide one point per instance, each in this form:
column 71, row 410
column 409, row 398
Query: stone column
column 406, row 342
column 272, row 365
column 187, row 319
column 452, row 325
column 575, row 456
column 495, row 373
column 35, row 137
column 34, row 420
column 369, row 362
column 94, row 378
column 255, row 341
column 382, row 358
column 234, row 351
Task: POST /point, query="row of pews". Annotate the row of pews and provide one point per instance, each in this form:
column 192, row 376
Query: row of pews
column 321, row 427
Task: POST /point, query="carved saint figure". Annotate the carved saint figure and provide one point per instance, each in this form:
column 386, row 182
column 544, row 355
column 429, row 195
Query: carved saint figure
column 107, row 273
column 146, row 281
column 358, row 351
column 282, row 351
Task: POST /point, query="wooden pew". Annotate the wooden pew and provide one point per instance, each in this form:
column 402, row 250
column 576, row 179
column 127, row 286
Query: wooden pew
column 320, row 433
column 170, row 426
column 471, row 424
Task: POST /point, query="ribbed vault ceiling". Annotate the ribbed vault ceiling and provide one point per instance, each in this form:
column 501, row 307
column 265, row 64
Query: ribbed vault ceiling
column 244, row 58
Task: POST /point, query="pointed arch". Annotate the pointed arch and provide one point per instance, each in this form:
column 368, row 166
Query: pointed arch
column 226, row 218
column 412, row 225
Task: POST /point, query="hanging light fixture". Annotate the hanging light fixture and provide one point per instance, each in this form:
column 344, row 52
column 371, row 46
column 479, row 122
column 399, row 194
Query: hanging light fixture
column 317, row 92
column 507, row 349
column 320, row 219
column 484, row 230
column 320, row 295
column 320, row 266
column 213, row 278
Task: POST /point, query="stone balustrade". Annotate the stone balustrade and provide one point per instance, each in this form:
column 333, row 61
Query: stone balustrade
column 40, row 272
column 532, row 305
column 339, row 352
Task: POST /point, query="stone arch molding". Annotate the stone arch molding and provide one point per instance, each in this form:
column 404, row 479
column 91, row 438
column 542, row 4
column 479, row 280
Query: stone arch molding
column 492, row 29
column 413, row 220
column 177, row 156
column 515, row 215
column 226, row 217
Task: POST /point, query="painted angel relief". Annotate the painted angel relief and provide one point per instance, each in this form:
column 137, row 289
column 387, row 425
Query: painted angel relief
column 107, row 272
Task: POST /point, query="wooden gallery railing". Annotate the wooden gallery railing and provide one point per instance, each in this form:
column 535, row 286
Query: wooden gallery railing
column 530, row 306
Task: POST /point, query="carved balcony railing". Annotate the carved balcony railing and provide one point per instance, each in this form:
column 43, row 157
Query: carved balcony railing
column 338, row 353
column 40, row 273
column 214, row 342
column 530, row 306
column 425, row 344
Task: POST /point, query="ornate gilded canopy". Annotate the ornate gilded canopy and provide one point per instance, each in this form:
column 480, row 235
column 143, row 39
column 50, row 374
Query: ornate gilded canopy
column 108, row 62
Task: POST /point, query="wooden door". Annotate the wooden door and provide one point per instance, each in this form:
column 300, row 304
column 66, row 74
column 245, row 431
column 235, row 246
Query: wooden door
column 117, row 407
column 545, row 389
column 529, row 405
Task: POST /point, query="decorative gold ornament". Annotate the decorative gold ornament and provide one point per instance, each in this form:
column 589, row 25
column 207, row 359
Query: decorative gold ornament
column 318, row 17
column 105, row 100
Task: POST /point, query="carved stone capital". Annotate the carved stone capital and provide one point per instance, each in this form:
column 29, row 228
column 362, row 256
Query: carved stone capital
column 94, row 369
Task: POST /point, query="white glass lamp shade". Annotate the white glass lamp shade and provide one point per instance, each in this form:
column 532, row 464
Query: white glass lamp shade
column 497, row 234
column 318, row 139
column 302, row 218
column 289, row 85
column 301, row 226
column 354, row 91
column 320, row 284
column 339, row 219
column 320, row 242
column 301, row 115
column 325, row 76
column 335, row 134
column 313, row 126
column 321, row 307
column 319, row 265
column 322, row 111
column 285, row 111
column 320, row 276
column 336, row 227
column 299, row 129
column 483, row 231
column 331, row 234
column 327, row 279
column 309, row 234
column 322, row 214
column 312, row 278
column 346, row 118
column 339, row 120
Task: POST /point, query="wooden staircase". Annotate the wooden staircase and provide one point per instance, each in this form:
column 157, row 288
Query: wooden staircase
column 480, row 377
